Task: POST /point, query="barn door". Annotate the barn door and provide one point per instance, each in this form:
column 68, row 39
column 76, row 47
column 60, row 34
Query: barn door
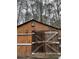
column 37, row 42
column 45, row 42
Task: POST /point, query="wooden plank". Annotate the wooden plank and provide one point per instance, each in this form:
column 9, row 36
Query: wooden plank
column 45, row 55
column 45, row 42
column 26, row 34
column 52, row 36
column 23, row 51
column 38, row 48
column 24, row 44
column 53, row 42
column 24, row 39
column 37, row 37
column 50, row 32
column 52, row 48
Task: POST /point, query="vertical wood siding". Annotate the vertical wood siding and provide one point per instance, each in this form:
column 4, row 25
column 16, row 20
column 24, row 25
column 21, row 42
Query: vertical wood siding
column 24, row 39
column 27, row 28
column 23, row 51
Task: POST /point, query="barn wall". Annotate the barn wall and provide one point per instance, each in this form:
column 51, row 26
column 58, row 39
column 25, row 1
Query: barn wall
column 24, row 39
column 23, row 51
column 24, row 28
column 41, row 27
column 27, row 28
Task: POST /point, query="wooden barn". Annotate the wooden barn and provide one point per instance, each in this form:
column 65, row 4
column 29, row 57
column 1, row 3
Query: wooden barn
column 37, row 40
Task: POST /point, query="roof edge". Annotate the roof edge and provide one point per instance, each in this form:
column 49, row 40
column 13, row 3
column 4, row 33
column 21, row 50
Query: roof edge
column 39, row 22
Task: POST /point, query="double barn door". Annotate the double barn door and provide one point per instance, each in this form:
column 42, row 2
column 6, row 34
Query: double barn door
column 45, row 42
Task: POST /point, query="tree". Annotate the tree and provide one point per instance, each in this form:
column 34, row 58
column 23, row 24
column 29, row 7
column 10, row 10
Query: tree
column 46, row 11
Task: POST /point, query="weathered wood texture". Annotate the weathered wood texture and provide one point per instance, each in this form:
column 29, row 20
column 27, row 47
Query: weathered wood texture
column 24, row 39
column 25, row 50
column 27, row 28
column 44, row 42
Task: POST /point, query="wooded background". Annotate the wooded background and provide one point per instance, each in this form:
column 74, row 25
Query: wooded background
column 46, row 11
